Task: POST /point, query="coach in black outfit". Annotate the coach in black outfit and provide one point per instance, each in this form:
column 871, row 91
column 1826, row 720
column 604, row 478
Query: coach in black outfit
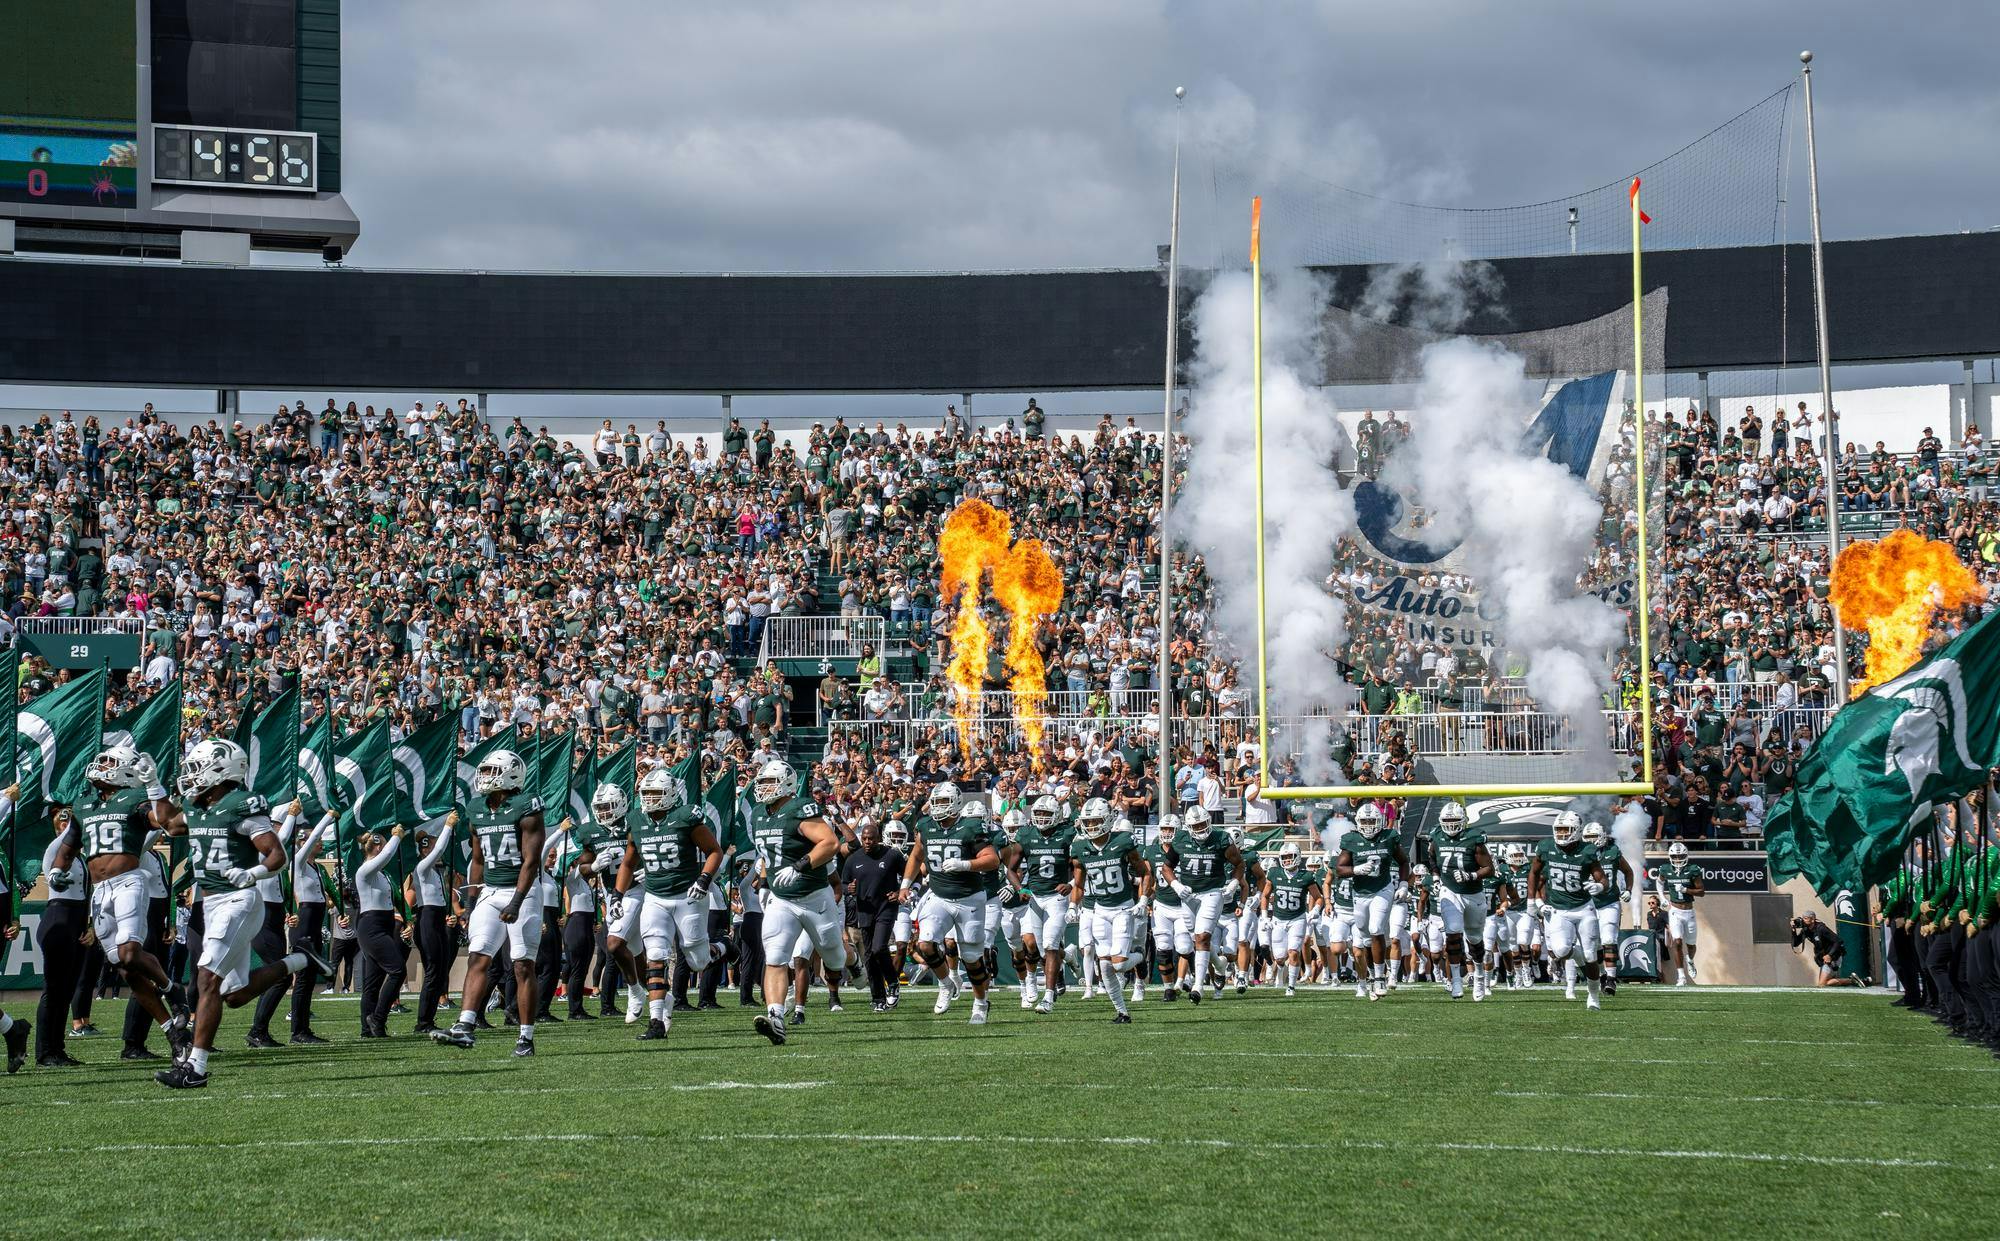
column 872, row 875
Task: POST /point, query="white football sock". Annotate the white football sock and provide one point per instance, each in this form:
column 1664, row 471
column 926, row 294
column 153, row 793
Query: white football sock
column 467, row 1017
column 528, row 1031
column 198, row 1059
column 656, row 1009
column 1109, row 972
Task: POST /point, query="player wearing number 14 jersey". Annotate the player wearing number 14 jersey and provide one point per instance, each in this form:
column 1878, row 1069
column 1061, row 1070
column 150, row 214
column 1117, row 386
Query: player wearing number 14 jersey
column 507, row 842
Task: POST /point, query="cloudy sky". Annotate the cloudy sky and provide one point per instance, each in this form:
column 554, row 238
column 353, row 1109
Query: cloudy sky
column 872, row 136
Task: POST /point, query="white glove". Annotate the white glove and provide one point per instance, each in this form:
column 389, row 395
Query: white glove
column 1369, row 867
column 698, row 892
column 954, row 866
column 1183, row 891
column 149, row 775
column 1463, row 876
column 237, row 877
column 785, row 878
column 1228, row 890
column 1402, row 891
column 614, row 908
column 1593, row 887
column 59, row 881
column 1006, row 893
column 1541, row 909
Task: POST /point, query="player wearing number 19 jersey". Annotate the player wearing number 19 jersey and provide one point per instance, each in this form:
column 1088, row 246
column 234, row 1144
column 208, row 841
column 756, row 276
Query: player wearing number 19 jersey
column 1041, row 853
column 1106, row 867
column 507, row 844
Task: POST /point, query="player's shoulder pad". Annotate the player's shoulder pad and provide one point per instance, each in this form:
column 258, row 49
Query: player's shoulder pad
column 530, row 803
column 809, row 810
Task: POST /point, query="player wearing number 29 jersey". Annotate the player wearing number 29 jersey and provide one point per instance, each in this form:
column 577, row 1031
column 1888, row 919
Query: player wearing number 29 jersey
column 1106, row 870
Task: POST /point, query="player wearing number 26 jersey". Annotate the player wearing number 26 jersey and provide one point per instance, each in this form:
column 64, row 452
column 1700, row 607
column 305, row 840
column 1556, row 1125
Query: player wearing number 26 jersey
column 1563, row 878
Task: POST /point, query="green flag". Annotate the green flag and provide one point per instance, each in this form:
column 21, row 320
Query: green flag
column 154, row 729
column 1887, row 761
column 56, row 736
column 620, row 767
column 582, row 784
column 426, row 771
column 315, row 763
column 363, row 789
column 718, row 807
column 552, row 774
column 271, row 739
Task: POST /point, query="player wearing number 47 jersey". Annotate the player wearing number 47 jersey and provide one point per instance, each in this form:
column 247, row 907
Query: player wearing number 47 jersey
column 1106, row 867
column 797, row 850
column 1562, row 880
column 680, row 856
column 1205, row 870
column 232, row 845
column 507, row 843
column 954, row 848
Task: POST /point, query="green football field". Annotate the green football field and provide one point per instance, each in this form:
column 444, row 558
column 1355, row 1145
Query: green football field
column 1682, row 1112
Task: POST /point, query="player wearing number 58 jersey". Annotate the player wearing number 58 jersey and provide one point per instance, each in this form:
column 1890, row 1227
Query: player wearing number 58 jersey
column 671, row 843
column 954, row 848
column 507, row 844
column 232, row 845
column 796, row 851
column 1562, row 880
column 1040, row 855
column 1106, row 867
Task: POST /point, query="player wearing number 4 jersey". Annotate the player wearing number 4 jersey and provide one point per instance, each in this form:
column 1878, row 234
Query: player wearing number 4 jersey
column 1040, row 857
column 507, row 843
column 955, row 850
column 232, row 845
column 1106, row 867
column 1205, row 870
column 680, row 857
column 1373, row 860
column 796, row 850
column 1562, row 880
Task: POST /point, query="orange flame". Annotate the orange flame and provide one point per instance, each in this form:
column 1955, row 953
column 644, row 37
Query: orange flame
column 1894, row 590
column 1027, row 583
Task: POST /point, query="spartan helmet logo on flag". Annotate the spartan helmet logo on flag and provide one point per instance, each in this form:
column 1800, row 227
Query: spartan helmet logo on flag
column 35, row 750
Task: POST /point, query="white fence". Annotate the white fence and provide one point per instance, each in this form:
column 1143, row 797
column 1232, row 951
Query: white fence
column 819, row 637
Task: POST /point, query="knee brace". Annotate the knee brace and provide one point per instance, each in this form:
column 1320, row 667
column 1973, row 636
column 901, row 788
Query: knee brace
column 656, row 976
column 975, row 971
column 1454, row 946
column 928, row 953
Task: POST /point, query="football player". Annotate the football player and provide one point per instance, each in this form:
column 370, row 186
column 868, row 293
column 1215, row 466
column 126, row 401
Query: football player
column 1563, row 878
column 124, row 809
column 1291, row 896
column 610, row 845
column 954, row 849
column 1606, row 905
column 232, row 845
column 1341, row 941
column 1205, row 871
column 1042, row 850
column 1012, row 900
column 797, row 849
column 1247, row 911
column 1680, row 882
column 1527, row 919
column 1106, row 866
column 1173, row 931
column 1464, row 866
column 681, row 857
column 1375, row 864
column 508, row 838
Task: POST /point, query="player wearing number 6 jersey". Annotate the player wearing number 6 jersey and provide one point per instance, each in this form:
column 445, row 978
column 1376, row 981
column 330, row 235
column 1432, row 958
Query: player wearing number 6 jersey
column 955, row 850
column 232, row 845
column 1106, row 866
column 1462, row 864
column 1680, row 883
column 680, row 857
column 507, row 845
column 797, row 850
column 1041, row 856
column 1205, row 870
column 1562, row 879
column 1374, row 861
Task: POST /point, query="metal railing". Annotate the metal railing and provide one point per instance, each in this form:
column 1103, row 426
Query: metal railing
column 921, row 701
column 82, row 624
column 819, row 637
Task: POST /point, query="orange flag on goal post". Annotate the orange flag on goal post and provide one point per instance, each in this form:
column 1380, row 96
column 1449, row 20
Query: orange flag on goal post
column 1643, row 217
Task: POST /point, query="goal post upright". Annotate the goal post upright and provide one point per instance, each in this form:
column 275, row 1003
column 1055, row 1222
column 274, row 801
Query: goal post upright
column 1257, row 424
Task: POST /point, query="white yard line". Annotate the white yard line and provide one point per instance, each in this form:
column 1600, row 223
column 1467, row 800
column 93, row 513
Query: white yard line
column 264, row 1096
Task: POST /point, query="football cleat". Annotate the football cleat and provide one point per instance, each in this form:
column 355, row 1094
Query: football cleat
column 979, row 1011
column 315, row 959
column 17, row 1045
column 798, row 1017
column 879, row 1007
column 1241, row 986
column 1122, row 1019
column 1138, row 993
column 1592, row 992
column 181, row 1077
column 943, row 1000
column 635, row 1005
column 771, row 1027
column 1045, row 1005
column 524, row 1047
column 834, row 1006
column 180, row 1035
column 1290, row 992
column 257, row 1038
column 656, row 1030
column 895, row 997
column 138, row 1053
column 459, row 1036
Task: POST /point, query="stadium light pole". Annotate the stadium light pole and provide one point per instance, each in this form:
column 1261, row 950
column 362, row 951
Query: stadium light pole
column 1164, row 695
column 1825, row 390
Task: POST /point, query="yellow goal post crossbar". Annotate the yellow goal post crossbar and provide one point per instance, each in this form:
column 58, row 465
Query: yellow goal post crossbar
column 1637, row 788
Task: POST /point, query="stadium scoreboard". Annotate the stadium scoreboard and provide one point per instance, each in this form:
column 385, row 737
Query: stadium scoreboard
column 127, row 124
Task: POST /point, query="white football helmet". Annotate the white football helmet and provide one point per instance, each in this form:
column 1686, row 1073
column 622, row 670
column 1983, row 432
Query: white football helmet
column 117, row 766
column 1451, row 820
column 1567, row 828
column 1517, row 854
column 1289, row 855
column 608, row 806
column 1368, row 820
column 502, row 771
column 974, row 808
column 896, row 834
column 1045, row 813
column 1235, row 835
column 212, row 763
column 1013, row 821
column 1169, row 824
column 1197, row 822
column 942, row 804
column 1677, row 853
column 1593, row 834
column 660, row 791
column 1419, row 873
column 776, row 782
column 1095, row 819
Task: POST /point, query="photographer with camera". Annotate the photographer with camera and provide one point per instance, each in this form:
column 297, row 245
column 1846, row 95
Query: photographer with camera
column 1828, row 951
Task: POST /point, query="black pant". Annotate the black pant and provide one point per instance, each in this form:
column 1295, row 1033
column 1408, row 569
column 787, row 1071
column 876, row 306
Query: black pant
column 880, row 932
column 1909, row 970
column 138, row 1023
column 381, row 964
column 718, row 935
column 271, row 946
column 1940, row 960
column 437, row 950
column 579, row 941
column 309, row 933
column 89, row 975
column 548, row 962
column 750, row 959
column 345, row 960
column 60, row 937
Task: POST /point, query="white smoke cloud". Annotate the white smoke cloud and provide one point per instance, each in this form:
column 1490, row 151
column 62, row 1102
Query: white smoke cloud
column 1528, row 526
column 1305, row 510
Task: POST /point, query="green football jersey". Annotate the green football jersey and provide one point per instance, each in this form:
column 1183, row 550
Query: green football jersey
column 666, row 845
column 1107, row 877
column 780, row 843
column 1607, row 857
column 499, row 831
column 1564, row 872
column 1505, row 876
column 1291, row 891
column 1361, row 850
column 1454, row 856
column 219, row 837
column 1341, row 892
column 1045, row 858
column 1203, row 865
column 1680, row 881
column 112, row 823
column 1156, row 858
column 964, row 838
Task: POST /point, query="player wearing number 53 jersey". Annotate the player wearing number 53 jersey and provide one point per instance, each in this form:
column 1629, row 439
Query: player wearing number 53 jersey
column 796, row 850
column 1562, row 879
column 680, row 857
column 1106, row 867
column 1040, row 853
column 507, row 844
column 1205, row 870
column 232, row 846
column 954, row 848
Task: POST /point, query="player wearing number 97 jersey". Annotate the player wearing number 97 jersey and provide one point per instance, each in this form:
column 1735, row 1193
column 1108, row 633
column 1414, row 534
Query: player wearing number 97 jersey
column 796, row 850
column 1106, row 867
column 507, row 843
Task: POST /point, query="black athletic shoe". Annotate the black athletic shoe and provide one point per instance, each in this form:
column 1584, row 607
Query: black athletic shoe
column 799, row 1017
column 524, row 1047
column 17, row 1045
column 480, row 1023
column 59, row 1060
column 139, row 1053
column 181, row 1077
column 258, row 1038
column 399, row 1010
column 1609, row 984
column 459, row 1036
column 1172, row 993
column 547, row 1018
column 86, row 1030
column 1122, row 1019
column 655, row 1031
column 879, row 1007
column 582, row 1014
column 180, row 1035
column 682, row 1006
column 1194, row 996
column 708, row 1006
column 306, row 1038
column 315, row 958
column 770, row 1027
